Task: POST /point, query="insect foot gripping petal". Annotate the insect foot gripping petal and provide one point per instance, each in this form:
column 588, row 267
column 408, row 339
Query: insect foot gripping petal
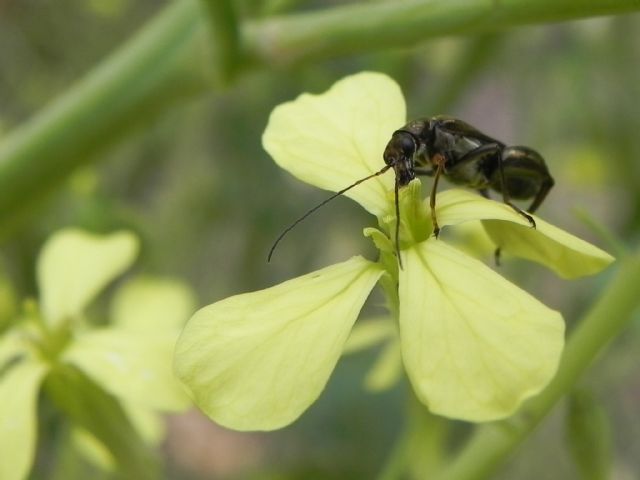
column 528, row 217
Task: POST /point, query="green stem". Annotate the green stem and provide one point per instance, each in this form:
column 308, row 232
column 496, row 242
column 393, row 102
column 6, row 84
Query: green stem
column 420, row 448
column 137, row 81
column 225, row 36
column 373, row 26
column 493, row 443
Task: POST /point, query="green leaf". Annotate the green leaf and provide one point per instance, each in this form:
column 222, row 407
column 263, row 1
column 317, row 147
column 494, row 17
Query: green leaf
column 335, row 138
column 256, row 361
column 474, row 345
column 134, row 366
column 149, row 303
column 91, row 408
column 568, row 256
column 74, row 266
column 19, row 387
column 589, row 436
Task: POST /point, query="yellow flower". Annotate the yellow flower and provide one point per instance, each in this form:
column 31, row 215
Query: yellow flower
column 474, row 345
column 112, row 381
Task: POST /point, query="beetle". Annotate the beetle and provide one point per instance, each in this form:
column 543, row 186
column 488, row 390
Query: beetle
column 449, row 147
column 446, row 146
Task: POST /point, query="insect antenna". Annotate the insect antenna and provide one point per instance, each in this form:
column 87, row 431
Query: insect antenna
column 323, row 203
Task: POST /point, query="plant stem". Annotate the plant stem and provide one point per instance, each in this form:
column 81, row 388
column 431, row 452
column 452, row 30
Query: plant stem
column 373, row 26
column 225, row 36
column 138, row 80
column 493, row 443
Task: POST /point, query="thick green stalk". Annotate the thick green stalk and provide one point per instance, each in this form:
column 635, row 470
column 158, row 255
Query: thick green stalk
column 493, row 443
column 374, row 26
column 138, row 80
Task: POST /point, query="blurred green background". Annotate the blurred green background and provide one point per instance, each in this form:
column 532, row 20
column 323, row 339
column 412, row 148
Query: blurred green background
column 189, row 175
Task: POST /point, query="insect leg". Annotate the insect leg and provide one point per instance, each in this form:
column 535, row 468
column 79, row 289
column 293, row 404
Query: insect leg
column 542, row 193
column 430, row 172
column 526, row 175
column 484, row 155
column 506, row 197
column 439, row 160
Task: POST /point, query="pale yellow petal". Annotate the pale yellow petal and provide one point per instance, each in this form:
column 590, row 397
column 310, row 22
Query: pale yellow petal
column 568, row 256
column 74, row 266
column 133, row 366
column 369, row 333
column 92, row 449
column 256, row 361
column 456, row 206
column 474, row 345
column 332, row 139
column 152, row 303
column 19, row 387
column 386, row 371
column 565, row 254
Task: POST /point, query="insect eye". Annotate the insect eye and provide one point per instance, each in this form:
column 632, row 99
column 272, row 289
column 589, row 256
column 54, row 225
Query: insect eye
column 407, row 145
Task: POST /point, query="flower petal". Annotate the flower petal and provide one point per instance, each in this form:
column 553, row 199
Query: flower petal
column 87, row 405
column 148, row 423
column 474, row 345
column 19, row 387
column 75, row 265
column 150, row 303
column 134, row 366
column 386, row 370
column 335, row 138
column 568, row 256
column 458, row 206
column 256, row 361
column 369, row 333
column 12, row 348
column 92, row 449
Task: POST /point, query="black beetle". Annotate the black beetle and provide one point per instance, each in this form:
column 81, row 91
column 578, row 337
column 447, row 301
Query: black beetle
column 447, row 146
